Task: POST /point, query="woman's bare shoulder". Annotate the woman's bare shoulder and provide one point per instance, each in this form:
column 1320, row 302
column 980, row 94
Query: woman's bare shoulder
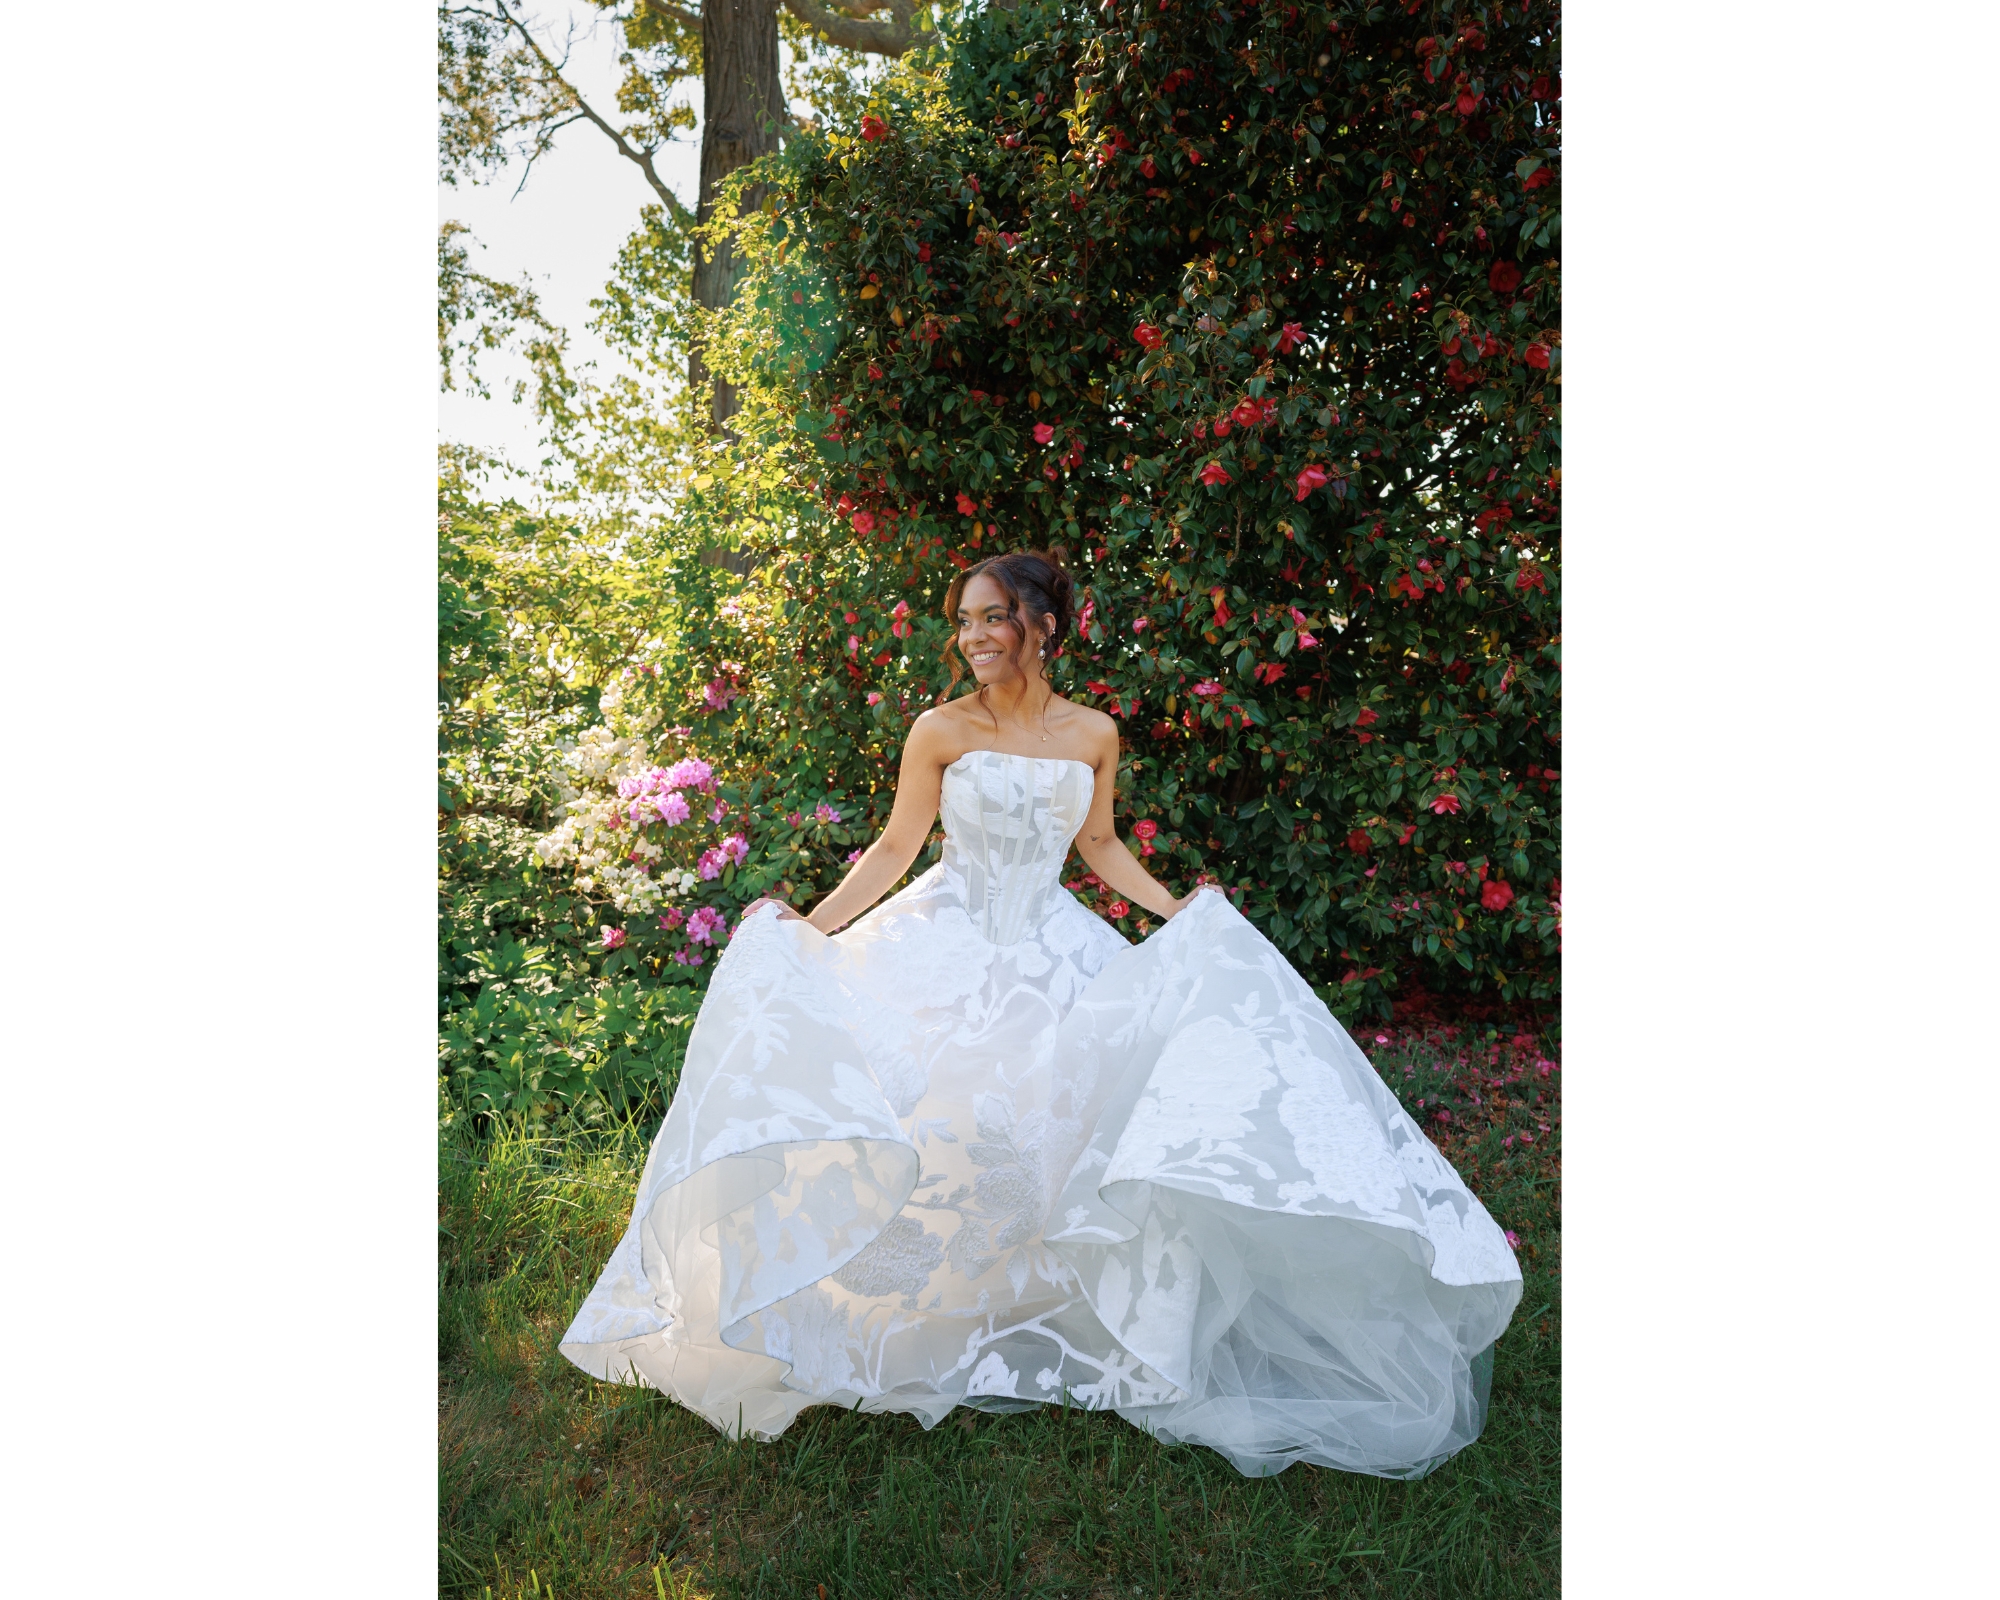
column 1087, row 723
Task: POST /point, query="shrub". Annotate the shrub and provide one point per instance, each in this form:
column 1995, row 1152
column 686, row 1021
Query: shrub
column 1255, row 312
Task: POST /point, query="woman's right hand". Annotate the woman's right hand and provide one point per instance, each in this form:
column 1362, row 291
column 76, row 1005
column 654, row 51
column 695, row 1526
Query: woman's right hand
column 785, row 911
column 1188, row 899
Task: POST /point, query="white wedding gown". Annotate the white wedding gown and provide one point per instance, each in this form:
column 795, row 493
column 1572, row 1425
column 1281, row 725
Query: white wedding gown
column 978, row 1150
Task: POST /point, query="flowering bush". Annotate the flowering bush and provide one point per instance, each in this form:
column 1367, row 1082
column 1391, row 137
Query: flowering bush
column 1254, row 310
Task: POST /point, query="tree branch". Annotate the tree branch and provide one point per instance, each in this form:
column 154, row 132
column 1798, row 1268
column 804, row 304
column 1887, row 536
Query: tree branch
column 889, row 38
column 642, row 159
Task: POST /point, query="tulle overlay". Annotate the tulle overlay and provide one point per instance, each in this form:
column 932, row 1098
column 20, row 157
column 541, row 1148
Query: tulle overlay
column 978, row 1150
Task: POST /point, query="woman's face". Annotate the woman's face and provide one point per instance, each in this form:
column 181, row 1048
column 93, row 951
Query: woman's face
column 993, row 646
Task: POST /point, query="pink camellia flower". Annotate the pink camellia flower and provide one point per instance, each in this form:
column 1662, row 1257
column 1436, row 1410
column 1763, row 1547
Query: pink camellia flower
column 1311, row 478
column 1117, row 909
column 1308, row 642
column 1044, row 434
column 1455, row 866
column 710, row 864
column 1141, row 624
column 672, row 918
column 1507, row 1143
column 614, row 938
column 901, row 626
column 1148, row 336
column 825, row 813
column 874, row 697
column 735, row 848
column 1381, row 1038
column 853, row 644
column 1495, row 895
column 703, row 923
column 1215, row 474
column 863, row 521
column 1445, row 805
column 1206, row 687
column 853, row 856
column 1290, row 337
column 1145, row 828
column 1513, row 1240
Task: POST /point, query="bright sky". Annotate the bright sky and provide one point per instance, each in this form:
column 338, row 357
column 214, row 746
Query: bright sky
column 564, row 228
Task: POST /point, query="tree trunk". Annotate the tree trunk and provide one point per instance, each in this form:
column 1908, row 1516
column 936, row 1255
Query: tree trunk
column 742, row 102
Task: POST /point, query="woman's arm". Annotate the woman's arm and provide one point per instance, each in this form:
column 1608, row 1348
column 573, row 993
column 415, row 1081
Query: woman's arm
column 1098, row 842
column 910, row 818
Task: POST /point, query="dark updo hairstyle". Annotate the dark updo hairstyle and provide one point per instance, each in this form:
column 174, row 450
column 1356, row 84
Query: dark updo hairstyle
column 1035, row 585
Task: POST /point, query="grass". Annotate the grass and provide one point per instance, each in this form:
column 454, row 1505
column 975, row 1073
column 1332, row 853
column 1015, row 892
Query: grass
column 552, row 1484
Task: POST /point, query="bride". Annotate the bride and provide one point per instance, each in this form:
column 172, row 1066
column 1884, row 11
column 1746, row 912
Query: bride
column 978, row 1150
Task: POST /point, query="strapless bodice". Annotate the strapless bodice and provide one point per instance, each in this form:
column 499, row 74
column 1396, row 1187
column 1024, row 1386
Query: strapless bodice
column 1008, row 823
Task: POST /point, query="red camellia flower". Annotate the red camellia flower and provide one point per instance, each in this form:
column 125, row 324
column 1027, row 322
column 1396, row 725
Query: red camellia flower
column 1247, row 413
column 874, row 371
column 1530, row 577
column 1536, row 179
column 874, row 128
column 966, row 504
column 1310, row 479
column 1495, row 895
column 1117, row 909
column 1151, row 172
column 1357, row 841
column 1365, row 717
column 1148, row 336
column 1146, row 829
column 1504, row 277
column 923, row 252
column 1445, row 805
column 1537, row 356
column 1044, row 434
column 1215, row 473
column 901, row 626
column 863, row 521
column 1290, row 337
column 1270, row 671
column 1409, row 833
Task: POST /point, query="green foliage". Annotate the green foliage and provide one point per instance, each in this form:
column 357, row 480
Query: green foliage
column 1255, row 314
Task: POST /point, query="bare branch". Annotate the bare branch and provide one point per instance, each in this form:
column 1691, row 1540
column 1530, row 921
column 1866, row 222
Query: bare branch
column 642, row 159
column 846, row 29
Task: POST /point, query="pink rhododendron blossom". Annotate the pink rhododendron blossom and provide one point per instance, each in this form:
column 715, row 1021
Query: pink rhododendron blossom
column 853, row 856
column 710, row 865
column 673, row 808
column 825, row 813
column 614, row 938
column 703, row 923
column 672, row 918
column 691, row 772
column 718, row 811
column 719, row 693
column 736, row 849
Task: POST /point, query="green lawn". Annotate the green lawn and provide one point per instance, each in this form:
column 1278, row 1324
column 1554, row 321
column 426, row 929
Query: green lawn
column 553, row 1484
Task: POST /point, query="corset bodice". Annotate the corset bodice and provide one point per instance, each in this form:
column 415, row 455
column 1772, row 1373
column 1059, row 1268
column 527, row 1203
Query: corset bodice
column 1008, row 823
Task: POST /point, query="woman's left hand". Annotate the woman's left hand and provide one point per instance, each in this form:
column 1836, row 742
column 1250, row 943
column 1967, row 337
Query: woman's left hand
column 785, row 912
column 1188, row 899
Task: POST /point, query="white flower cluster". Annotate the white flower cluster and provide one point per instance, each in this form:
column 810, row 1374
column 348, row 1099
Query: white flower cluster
column 616, row 828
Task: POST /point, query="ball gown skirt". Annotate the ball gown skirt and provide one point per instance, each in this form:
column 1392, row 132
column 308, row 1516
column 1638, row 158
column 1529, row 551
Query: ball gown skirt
column 978, row 1150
